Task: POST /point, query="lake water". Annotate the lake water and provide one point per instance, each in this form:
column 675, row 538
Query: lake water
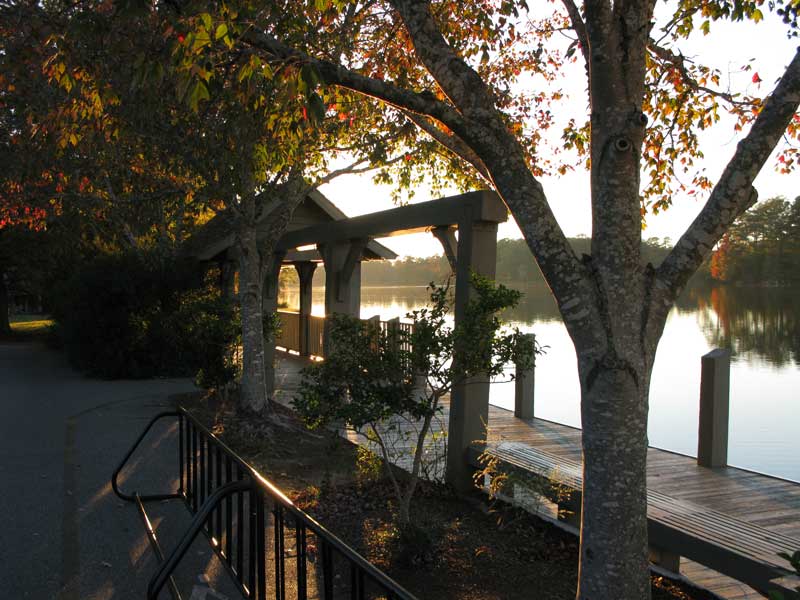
column 760, row 326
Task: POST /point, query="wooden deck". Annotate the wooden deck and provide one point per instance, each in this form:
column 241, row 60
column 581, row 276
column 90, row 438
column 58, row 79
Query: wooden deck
column 768, row 502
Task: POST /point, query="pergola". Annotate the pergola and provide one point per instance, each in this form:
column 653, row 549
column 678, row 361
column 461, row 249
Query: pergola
column 341, row 243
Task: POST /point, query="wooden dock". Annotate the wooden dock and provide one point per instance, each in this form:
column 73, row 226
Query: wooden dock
column 769, row 502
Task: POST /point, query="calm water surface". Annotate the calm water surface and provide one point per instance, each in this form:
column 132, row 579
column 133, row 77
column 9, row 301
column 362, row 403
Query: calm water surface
column 760, row 326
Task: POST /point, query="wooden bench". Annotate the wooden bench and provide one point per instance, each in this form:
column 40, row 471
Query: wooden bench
column 741, row 550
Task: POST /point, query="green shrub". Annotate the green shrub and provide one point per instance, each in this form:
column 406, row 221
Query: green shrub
column 140, row 315
column 375, row 378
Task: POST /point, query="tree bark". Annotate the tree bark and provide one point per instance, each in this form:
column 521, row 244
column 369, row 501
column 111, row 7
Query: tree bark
column 272, row 219
column 253, row 385
column 614, row 546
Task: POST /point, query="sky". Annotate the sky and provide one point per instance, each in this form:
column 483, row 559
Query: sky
column 727, row 47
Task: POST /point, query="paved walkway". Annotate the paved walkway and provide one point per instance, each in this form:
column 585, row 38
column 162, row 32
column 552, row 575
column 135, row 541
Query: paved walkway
column 65, row 535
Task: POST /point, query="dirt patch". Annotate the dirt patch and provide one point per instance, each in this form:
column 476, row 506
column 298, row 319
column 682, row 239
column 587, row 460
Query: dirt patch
column 474, row 549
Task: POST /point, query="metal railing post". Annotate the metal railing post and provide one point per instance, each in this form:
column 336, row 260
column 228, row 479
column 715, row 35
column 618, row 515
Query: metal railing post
column 210, row 486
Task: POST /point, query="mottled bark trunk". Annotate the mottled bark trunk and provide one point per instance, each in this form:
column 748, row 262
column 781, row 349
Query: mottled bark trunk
column 254, row 253
column 613, row 551
column 253, row 385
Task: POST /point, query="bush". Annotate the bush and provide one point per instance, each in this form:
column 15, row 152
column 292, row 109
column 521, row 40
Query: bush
column 140, row 315
column 378, row 380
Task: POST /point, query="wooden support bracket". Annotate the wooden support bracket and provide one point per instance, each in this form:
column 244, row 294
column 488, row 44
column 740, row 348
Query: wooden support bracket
column 447, row 238
column 354, row 254
column 272, row 272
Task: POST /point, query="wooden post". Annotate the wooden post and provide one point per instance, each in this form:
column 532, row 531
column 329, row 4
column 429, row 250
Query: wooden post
column 469, row 401
column 227, row 279
column 342, row 280
column 305, row 272
column 373, row 327
column 665, row 559
column 712, row 439
column 393, row 331
column 524, row 388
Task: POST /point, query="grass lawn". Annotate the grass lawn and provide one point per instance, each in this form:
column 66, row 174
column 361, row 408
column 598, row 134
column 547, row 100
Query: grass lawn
column 30, row 326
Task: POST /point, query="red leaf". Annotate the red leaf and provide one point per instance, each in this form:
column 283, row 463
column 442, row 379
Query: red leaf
column 756, row 78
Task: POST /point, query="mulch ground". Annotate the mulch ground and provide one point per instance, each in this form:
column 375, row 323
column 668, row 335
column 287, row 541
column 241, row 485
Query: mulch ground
column 478, row 549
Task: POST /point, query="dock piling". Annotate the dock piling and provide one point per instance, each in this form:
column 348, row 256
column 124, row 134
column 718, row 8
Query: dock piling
column 712, row 439
column 524, row 388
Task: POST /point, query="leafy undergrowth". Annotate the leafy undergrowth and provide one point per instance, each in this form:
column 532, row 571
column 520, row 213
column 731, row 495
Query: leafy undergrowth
column 474, row 550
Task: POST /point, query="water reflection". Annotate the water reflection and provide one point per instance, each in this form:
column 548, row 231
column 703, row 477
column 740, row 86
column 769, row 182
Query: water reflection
column 756, row 324
column 760, row 325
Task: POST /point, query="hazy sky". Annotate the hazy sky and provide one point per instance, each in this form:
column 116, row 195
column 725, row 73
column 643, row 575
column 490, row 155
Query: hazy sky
column 728, row 47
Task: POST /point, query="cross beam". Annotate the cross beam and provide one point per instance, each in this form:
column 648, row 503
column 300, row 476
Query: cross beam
column 413, row 218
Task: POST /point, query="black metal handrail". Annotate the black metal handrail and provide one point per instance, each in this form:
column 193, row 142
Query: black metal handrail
column 229, row 500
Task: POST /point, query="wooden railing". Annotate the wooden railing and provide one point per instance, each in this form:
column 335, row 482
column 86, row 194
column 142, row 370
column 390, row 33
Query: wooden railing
column 316, row 335
column 289, row 334
column 292, row 331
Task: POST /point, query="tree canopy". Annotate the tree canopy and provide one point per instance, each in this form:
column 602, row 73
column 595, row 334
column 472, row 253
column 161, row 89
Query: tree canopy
column 474, row 77
column 249, row 96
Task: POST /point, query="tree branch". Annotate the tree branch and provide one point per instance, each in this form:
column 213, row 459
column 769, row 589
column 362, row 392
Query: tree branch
column 462, row 85
column 483, row 129
column 452, row 142
column 678, row 61
column 420, row 103
column 354, row 168
column 578, row 26
column 734, row 192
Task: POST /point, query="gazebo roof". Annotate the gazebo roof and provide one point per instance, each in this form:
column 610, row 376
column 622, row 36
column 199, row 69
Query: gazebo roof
column 216, row 237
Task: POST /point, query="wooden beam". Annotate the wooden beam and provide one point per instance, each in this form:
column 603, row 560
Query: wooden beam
column 480, row 206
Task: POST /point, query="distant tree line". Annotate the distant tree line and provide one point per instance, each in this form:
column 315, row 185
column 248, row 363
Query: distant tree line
column 762, row 246
column 514, row 263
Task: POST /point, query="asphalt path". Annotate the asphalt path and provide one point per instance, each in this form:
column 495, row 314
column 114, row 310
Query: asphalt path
column 64, row 535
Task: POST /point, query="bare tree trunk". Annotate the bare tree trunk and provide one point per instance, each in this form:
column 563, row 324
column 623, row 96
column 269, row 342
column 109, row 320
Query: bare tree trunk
column 411, row 486
column 253, row 386
column 614, row 559
column 253, row 257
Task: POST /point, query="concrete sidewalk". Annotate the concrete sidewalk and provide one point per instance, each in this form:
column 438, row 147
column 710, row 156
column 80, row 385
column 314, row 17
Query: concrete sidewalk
column 65, row 535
